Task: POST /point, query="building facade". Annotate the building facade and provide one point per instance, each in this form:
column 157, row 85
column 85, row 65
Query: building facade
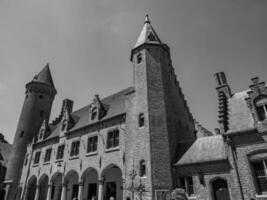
column 232, row 163
column 119, row 147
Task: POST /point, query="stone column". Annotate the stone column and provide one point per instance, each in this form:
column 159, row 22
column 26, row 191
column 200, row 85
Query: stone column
column 100, row 188
column 37, row 192
column 80, row 193
column 49, row 191
column 63, row 191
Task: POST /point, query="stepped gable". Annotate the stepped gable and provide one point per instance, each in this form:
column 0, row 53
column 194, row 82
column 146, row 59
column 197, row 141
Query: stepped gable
column 204, row 150
column 115, row 104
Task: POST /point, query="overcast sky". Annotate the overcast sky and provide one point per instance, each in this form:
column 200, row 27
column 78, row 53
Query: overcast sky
column 88, row 44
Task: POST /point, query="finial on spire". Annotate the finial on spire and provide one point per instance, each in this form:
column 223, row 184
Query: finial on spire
column 147, row 19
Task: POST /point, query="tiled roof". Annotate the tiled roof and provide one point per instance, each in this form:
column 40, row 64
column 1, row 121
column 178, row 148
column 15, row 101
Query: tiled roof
column 205, row 149
column 5, row 150
column 115, row 105
column 240, row 117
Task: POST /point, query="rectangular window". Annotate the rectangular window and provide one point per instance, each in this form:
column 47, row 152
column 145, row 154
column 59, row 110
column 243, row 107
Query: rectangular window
column 92, row 144
column 113, row 139
column 48, row 155
column 60, row 152
column 187, row 184
column 260, row 172
column 37, row 157
column 75, row 146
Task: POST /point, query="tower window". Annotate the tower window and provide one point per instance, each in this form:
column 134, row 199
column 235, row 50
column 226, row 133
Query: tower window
column 141, row 120
column 21, row 134
column 37, row 157
column 142, row 171
column 94, row 113
column 41, row 96
column 139, row 58
column 60, row 152
column 41, row 113
column 47, row 155
column 26, row 159
column 261, row 108
column 113, row 139
column 75, row 146
column 92, row 144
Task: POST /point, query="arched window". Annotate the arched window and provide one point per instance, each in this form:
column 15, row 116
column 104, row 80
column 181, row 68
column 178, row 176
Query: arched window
column 220, row 189
column 139, row 58
column 141, row 120
column 261, row 108
column 142, row 169
column 94, row 113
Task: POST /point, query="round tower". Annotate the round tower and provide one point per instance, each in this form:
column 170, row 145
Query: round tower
column 39, row 96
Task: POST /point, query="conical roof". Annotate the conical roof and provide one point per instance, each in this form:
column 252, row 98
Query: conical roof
column 44, row 76
column 147, row 35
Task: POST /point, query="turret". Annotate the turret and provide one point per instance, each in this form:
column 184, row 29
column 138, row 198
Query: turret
column 39, row 96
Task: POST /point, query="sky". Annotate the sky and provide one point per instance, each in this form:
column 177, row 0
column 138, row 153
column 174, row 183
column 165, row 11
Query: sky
column 88, row 44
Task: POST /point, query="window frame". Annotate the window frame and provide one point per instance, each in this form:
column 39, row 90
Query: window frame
column 114, row 138
column 258, row 177
column 261, row 106
column 48, row 154
column 37, row 161
column 74, row 151
column 189, row 188
column 59, row 156
column 93, row 145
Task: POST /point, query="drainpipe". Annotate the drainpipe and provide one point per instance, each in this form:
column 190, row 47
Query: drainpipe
column 230, row 143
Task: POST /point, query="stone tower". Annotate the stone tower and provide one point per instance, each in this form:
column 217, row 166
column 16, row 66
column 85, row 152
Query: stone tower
column 169, row 128
column 37, row 105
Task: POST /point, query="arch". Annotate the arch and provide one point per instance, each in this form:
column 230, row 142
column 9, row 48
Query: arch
column 31, row 188
column 219, row 188
column 43, row 187
column 56, row 186
column 113, row 187
column 72, row 182
column 90, row 183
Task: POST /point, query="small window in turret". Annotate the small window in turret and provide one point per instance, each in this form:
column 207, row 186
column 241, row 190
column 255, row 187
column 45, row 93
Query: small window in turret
column 21, row 134
column 41, row 96
column 139, row 58
column 41, row 113
column 141, row 120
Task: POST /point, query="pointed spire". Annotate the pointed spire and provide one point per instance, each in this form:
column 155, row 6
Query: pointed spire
column 44, row 76
column 147, row 35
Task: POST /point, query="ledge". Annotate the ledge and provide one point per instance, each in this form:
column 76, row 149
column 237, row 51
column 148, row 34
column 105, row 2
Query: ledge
column 35, row 165
column 59, row 160
column 112, row 149
column 46, row 163
column 261, row 195
column 192, row 197
column 73, row 157
column 91, row 154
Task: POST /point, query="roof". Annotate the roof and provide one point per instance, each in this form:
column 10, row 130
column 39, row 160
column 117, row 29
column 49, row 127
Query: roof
column 115, row 105
column 44, row 76
column 5, row 151
column 147, row 35
column 240, row 116
column 204, row 149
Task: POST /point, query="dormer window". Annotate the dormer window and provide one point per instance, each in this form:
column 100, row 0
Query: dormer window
column 94, row 113
column 261, row 108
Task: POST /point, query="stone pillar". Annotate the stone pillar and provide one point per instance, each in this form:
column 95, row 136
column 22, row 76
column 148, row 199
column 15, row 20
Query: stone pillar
column 37, row 192
column 63, row 191
column 49, row 191
column 80, row 193
column 100, row 188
